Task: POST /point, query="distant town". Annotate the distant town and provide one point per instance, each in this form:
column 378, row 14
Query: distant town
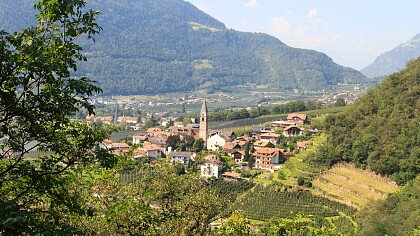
column 178, row 142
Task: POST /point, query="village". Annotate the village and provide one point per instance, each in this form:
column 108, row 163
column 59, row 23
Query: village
column 212, row 153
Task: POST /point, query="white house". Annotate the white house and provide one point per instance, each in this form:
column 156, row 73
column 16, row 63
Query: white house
column 151, row 150
column 211, row 168
column 217, row 141
column 292, row 130
column 181, row 157
column 139, row 138
column 270, row 137
column 265, row 158
column 117, row 148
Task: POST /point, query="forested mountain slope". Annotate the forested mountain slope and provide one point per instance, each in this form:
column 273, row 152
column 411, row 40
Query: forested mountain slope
column 382, row 130
column 399, row 214
column 395, row 59
column 150, row 46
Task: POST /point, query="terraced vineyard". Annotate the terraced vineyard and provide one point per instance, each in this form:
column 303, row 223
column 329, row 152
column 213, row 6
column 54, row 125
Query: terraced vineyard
column 344, row 225
column 263, row 203
column 353, row 186
column 231, row 189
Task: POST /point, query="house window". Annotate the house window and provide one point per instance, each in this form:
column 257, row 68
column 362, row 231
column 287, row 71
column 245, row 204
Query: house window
column 202, row 119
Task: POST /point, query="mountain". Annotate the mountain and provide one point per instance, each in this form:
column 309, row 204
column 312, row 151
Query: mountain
column 150, row 46
column 381, row 131
column 394, row 60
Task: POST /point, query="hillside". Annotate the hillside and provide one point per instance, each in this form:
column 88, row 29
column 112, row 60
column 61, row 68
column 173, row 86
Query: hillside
column 399, row 214
column 150, row 46
column 353, row 186
column 394, row 60
column 381, row 131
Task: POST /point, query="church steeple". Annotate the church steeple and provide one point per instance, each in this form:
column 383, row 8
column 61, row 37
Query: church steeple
column 204, row 109
column 203, row 122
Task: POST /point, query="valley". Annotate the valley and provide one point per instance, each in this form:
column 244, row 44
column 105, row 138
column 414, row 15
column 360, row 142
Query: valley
column 145, row 117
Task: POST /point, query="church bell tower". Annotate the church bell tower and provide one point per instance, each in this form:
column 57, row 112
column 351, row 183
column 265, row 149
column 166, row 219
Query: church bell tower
column 203, row 122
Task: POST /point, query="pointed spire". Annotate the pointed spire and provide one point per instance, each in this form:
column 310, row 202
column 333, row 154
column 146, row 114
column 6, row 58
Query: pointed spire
column 116, row 114
column 204, row 108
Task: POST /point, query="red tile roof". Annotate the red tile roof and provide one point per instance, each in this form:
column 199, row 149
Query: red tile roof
column 303, row 144
column 151, row 147
column 120, row 145
column 297, row 115
column 270, row 135
column 269, row 151
column 232, row 174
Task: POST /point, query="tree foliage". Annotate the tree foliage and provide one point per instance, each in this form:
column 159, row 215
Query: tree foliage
column 150, row 202
column 235, row 225
column 37, row 95
column 399, row 214
column 381, row 131
column 289, row 107
column 198, row 145
column 299, row 225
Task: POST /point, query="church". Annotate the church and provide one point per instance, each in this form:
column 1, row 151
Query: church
column 214, row 140
column 203, row 132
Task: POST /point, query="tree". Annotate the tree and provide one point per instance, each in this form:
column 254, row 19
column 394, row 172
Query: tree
column 198, row 145
column 173, row 141
column 295, row 226
column 246, row 148
column 398, row 214
column 183, row 108
column 141, row 201
column 189, row 141
column 235, row 225
column 37, row 97
column 251, row 162
column 300, row 181
column 152, row 122
column 340, row 102
column 186, row 121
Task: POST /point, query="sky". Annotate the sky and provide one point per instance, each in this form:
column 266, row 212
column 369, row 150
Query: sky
column 353, row 32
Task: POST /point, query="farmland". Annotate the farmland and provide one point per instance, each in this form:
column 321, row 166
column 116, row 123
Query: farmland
column 353, row 186
column 264, row 203
column 231, row 189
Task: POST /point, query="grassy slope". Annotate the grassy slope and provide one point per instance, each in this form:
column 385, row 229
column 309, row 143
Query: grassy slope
column 353, row 186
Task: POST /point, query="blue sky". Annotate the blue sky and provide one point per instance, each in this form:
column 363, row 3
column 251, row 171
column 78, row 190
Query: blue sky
column 352, row 32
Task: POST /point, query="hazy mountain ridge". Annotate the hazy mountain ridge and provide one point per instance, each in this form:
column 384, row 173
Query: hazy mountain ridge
column 395, row 59
column 151, row 47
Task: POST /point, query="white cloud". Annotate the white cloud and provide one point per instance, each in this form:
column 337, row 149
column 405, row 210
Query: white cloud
column 312, row 13
column 282, row 26
column 251, row 4
column 298, row 36
column 313, row 17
